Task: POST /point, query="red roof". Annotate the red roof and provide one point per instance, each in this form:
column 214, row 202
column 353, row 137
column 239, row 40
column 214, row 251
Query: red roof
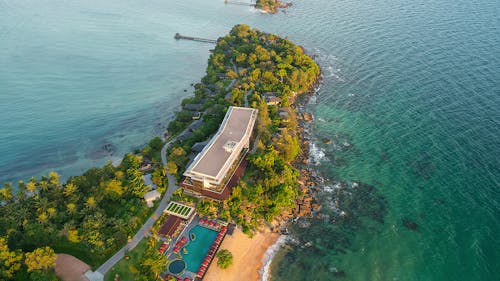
column 170, row 226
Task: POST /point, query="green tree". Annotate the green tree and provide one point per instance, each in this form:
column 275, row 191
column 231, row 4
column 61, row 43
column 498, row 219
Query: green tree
column 152, row 263
column 224, row 258
column 10, row 261
column 42, row 259
column 70, row 189
column 172, row 167
column 6, row 192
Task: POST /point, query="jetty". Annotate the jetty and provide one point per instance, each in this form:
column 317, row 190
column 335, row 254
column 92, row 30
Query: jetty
column 239, row 3
column 205, row 40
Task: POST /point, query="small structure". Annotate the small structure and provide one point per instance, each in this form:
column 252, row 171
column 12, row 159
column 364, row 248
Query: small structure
column 196, row 115
column 170, row 226
column 147, row 179
column 198, row 147
column 284, row 114
column 179, row 210
column 193, row 106
column 214, row 166
column 272, row 99
column 151, row 196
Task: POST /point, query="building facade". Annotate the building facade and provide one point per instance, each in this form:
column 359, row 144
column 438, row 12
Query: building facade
column 211, row 170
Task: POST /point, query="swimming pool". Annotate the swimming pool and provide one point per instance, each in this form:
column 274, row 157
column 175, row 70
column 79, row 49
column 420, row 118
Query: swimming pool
column 177, row 266
column 198, row 248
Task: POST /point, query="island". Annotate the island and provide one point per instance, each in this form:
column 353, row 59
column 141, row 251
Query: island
column 271, row 6
column 232, row 160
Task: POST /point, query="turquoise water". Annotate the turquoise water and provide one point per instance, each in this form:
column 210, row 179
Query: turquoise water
column 176, row 266
column 198, row 249
column 414, row 86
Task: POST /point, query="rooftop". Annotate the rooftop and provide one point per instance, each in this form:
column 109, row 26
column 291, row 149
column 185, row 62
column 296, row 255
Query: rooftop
column 237, row 124
column 179, row 210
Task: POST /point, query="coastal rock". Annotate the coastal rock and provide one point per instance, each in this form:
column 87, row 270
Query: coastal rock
column 308, row 117
column 411, row 225
column 327, row 141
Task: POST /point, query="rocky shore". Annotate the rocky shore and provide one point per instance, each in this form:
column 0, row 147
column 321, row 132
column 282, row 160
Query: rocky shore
column 308, row 180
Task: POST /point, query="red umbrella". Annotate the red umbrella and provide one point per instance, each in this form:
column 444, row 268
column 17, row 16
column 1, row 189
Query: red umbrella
column 187, row 279
column 205, row 263
column 184, row 240
column 203, row 268
column 216, row 224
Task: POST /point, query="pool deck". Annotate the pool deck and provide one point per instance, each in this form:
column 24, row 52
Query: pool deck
column 171, row 256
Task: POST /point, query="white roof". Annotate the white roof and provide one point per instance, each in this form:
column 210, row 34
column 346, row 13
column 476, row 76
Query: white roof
column 152, row 195
column 238, row 124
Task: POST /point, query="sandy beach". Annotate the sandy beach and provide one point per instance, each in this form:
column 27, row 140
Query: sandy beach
column 247, row 257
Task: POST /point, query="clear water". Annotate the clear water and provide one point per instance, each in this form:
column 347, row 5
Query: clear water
column 177, row 266
column 198, row 248
column 414, row 86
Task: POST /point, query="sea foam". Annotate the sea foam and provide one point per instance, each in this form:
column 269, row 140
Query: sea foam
column 268, row 257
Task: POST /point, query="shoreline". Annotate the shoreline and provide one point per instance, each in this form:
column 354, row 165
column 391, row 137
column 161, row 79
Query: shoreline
column 265, row 271
column 248, row 256
column 273, row 236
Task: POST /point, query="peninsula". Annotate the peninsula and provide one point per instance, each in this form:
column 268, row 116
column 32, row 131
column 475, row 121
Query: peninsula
column 253, row 82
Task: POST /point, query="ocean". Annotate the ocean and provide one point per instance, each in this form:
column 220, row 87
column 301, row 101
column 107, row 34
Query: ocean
column 407, row 121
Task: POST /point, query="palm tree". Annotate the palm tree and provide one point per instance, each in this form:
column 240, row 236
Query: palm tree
column 6, row 192
column 91, row 203
column 31, row 186
column 42, row 204
column 54, row 178
column 70, row 189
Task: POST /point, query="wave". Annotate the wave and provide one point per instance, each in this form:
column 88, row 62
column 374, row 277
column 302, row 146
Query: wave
column 268, row 257
column 316, row 154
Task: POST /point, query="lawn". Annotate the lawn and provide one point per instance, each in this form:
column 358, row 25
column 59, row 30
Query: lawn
column 127, row 269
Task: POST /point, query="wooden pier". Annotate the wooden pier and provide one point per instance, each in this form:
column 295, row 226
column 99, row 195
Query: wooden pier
column 179, row 36
column 239, row 3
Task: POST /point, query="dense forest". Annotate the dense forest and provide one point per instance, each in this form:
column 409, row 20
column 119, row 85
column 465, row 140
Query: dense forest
column 263, row 66
column 90, row 216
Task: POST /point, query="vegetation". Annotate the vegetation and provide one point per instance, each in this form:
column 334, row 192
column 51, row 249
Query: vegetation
column 260, row 65
column 90, row 216
column 36, row 265
column 224, row 258
column 269, row 5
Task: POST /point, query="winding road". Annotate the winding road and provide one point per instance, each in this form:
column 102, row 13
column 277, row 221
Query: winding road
column 143, row 231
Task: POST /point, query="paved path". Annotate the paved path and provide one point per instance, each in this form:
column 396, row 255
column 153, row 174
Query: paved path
column 106, row 266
